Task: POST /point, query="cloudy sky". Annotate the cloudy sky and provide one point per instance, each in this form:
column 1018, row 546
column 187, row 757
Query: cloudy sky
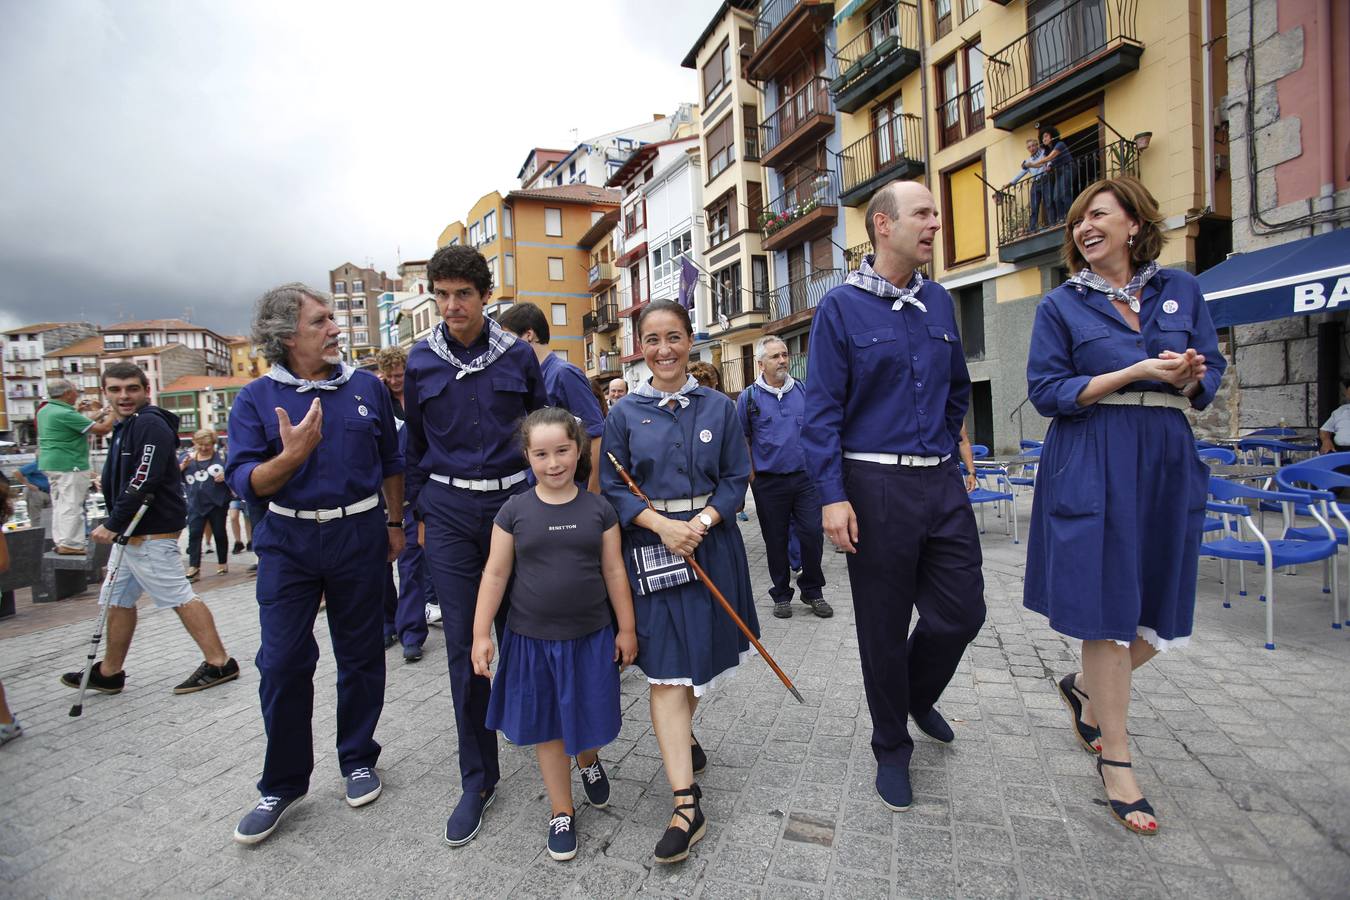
column 175, row 155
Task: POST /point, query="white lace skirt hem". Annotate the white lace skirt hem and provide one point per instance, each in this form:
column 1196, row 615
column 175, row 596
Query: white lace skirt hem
column 1162, row 645
column 719, row 678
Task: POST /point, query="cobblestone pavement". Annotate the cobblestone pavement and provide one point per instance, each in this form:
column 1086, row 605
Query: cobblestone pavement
column 1244, row 752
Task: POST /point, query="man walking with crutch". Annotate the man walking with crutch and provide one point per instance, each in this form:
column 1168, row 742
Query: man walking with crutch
column 141, row 462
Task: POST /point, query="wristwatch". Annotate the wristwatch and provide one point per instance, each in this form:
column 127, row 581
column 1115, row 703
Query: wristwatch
column 705, row 519
column 393, row 524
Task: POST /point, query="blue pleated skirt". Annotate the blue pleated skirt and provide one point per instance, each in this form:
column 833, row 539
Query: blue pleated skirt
column 557, row 690
column 1115, row 526
column 684, row 635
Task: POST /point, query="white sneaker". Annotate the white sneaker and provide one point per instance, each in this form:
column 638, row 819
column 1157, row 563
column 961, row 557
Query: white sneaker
column 433, row 612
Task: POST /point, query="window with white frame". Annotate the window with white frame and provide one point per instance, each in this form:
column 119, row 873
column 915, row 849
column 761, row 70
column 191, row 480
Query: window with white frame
column 555, row 268
column 358, row 286
column 360, row 337
column 559, row 313
column 561, row 354
column 339, row 287
column 509, row 269
column 507, row 223
column 552, row 221
column 495, row 269
column 490, row 225
column 475, row 234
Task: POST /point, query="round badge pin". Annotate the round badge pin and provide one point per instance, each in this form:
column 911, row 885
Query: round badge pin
column 705, row 436
column 200, row 475
column 1170, row 307
column 362, row 409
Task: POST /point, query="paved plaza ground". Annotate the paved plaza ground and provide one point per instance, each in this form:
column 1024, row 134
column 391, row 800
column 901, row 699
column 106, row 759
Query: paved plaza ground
column 1244, row 752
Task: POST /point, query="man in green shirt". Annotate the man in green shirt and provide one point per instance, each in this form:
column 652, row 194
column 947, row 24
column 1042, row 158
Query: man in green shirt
column 63, row 456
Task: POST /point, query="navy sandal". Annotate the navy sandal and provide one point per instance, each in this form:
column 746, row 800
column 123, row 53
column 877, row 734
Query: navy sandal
column 1088, row 735
column 1121, row 809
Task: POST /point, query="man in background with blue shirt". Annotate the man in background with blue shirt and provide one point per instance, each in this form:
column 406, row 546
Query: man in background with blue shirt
column 566, row 385
column 315, row 441
column 771, row 412
column 466, row 388
column 885, row 402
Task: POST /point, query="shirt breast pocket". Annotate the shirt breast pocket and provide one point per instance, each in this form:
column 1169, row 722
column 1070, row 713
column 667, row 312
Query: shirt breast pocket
column 1174, row 333
column 875, row 351
column 272, row 431
column 940, row 358
column 361, row 442
column 1093, row 353
column 508, row 397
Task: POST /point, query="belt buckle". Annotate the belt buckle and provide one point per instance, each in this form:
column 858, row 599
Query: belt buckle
column 320, row 517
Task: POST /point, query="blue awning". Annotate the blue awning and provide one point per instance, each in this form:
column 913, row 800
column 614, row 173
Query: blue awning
column 849, row 9
column 1300, row 278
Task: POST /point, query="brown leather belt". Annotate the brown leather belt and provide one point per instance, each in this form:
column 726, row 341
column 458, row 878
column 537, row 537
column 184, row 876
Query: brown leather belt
column 142, row 538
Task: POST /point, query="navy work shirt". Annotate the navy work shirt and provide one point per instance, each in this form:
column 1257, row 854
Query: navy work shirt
column 882, row 381
column 568, row 387
column 774, row 428
column 466, row 427
column 1079, row 334
column 358, row 450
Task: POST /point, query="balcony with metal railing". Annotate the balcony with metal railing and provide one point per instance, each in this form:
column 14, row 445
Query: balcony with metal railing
column 588, row 323
column 784, row 28
column 853, row 256
column 609, row 361
column 606, row 317
column 798, row 122
column 796, row 301
column 1031, row 213
column 807, row 209
column 893, row 150
column 885, row 52
column 1071, row 54
column 600, row 276
column 961, row 116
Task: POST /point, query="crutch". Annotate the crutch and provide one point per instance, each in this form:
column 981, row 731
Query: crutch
column 114, row 563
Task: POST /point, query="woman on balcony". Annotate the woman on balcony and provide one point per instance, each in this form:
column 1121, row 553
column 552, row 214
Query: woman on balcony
column 1058, row 179
column 682, row 444
column 1118, row 353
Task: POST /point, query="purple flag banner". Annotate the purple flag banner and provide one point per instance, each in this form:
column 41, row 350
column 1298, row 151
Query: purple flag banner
column 688, row 278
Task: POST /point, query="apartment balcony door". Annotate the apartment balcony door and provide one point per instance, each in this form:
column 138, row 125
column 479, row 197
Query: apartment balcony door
column 796, row 279
column 1063, row 32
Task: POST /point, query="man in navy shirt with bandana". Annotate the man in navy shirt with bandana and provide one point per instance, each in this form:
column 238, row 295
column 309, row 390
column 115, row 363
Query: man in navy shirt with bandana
column 887, row 394
column 315, row 441
column 465, row 390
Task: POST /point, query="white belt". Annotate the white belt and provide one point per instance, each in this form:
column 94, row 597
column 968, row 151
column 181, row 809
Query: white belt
column 1146, row 398
column 898, row 459
column 481, row 484
column 326, row 515
column 682, row 504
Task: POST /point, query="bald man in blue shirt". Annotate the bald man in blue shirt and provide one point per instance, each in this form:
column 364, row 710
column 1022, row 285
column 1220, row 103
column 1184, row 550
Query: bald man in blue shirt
column 887, row 394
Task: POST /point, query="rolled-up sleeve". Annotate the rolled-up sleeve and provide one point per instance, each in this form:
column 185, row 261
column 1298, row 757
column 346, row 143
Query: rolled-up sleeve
column 1052, row 382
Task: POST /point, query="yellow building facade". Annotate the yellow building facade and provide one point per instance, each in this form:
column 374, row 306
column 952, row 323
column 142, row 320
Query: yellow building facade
column 1123, row 82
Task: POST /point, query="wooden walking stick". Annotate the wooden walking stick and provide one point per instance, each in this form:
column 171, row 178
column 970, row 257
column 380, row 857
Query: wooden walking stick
column 712, row 588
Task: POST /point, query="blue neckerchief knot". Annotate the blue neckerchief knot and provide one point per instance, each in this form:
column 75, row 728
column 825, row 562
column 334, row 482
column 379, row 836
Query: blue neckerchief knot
column 645, row 389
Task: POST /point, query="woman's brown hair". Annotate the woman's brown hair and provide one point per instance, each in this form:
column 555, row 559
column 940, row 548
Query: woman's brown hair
column 1137, row 203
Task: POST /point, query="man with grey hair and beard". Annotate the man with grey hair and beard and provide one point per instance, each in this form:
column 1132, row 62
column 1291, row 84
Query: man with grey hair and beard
column 771, row 411
column 316, row 441
column 63, row 456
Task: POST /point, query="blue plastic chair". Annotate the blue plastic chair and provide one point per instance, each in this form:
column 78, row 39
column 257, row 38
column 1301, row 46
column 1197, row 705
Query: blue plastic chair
column 1319, row 484
column 1260, row 549
column 982, row 496
column 1256, row 449
column 1221, row 455
column 1272, row 432
column 979, row 451
column 1029, row 445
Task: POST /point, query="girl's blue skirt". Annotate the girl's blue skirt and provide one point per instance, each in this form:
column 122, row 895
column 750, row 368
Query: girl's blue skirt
column 557, row 690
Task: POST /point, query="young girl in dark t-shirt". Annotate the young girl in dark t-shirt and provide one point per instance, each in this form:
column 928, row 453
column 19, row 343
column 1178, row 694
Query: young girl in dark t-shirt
column 557, row 685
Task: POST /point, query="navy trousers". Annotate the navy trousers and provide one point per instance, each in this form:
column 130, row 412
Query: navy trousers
column 300, row 562
column 918, row 547
column 405, row 615
column 458, row 533
column 790, row 500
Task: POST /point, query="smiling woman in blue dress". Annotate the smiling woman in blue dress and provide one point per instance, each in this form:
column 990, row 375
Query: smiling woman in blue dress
column 682, row 443
column 1117, row 353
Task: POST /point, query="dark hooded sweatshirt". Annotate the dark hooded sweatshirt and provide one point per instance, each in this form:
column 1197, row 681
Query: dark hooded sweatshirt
column 142, row 459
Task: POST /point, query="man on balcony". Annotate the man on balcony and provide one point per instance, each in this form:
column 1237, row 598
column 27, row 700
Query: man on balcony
column 885, row 403
column 771, row 412
column 1033, row 166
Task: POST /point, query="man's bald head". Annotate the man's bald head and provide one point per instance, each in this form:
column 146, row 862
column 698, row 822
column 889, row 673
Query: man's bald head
column 617, row 389
column 892, row 199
